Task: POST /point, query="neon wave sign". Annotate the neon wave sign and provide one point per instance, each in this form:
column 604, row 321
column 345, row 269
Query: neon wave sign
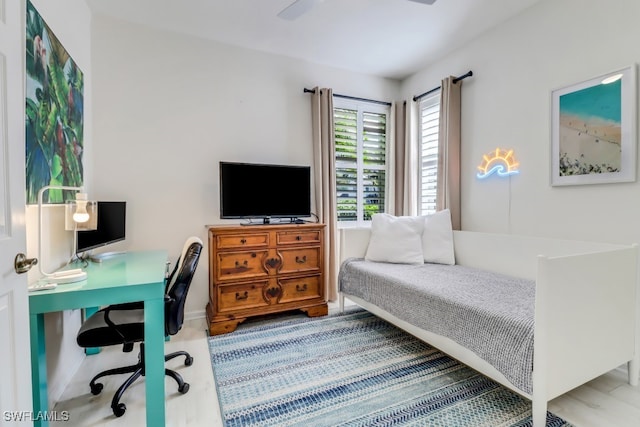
column 499, row 162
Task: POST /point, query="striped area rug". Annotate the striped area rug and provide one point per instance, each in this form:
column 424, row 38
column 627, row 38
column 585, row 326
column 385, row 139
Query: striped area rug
column 352, row 369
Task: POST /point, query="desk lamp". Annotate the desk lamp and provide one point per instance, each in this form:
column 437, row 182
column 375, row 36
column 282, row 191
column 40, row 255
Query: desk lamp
column 80, row 214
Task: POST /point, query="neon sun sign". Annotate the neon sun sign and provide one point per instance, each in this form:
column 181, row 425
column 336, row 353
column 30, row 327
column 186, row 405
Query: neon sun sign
column 499, row 162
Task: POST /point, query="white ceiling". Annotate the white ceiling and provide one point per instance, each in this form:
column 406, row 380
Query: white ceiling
column 387, row 38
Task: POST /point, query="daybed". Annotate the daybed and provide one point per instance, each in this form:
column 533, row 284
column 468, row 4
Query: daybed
column 585, row 308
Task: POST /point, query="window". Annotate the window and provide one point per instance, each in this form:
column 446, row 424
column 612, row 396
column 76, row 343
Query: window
column 360, row 130
column 429, row 108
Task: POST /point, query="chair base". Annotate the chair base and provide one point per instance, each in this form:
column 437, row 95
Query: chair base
column 137, row 371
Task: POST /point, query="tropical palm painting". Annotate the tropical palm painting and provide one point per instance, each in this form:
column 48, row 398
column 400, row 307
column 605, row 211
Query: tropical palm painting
column 54, row 113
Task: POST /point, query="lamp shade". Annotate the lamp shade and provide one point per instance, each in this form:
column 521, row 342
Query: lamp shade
column 81, row 214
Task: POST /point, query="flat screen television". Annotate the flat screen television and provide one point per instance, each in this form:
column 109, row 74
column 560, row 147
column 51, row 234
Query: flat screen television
column 112, row 218
column 251, row 190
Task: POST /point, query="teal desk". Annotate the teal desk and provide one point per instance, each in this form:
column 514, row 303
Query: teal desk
column 133, row 276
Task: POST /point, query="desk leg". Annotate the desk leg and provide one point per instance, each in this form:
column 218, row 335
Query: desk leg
column 38, row 368
column 154, row 361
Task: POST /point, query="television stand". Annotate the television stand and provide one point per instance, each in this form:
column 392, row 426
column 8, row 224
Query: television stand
column 270, row 221
column 98, row 258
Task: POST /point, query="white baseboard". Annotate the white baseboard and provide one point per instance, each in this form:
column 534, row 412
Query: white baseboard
column 193, row 315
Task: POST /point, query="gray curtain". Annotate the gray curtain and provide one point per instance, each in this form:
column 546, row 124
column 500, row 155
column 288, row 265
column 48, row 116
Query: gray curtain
column 405, row 164
column 325, row 183
column 448, row 192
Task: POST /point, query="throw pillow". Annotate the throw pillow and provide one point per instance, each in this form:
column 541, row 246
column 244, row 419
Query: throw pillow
column 395, row 239
column 437, row 238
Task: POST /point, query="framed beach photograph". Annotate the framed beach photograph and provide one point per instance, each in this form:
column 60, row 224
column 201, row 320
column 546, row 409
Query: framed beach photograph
column 593, row 130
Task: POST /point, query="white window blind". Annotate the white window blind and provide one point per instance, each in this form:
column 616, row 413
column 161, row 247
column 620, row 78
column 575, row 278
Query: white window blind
column 361, row 142
column 429, row 108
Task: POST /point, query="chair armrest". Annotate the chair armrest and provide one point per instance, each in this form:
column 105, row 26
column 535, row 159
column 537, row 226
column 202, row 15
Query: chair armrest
column 126, row 306
column 134, row 305
column 128, row 346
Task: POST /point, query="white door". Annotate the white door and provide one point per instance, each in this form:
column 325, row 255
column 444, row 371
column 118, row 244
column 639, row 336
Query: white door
column 15, row 366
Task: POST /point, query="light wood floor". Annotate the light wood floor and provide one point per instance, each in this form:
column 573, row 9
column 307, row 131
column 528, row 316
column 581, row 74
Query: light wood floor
column 199, row 407
column 606, row 401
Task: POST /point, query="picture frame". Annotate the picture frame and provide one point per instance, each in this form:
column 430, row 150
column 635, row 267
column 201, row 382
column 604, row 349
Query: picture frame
column 593, row 130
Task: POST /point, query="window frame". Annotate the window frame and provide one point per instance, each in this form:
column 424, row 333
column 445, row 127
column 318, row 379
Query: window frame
column 362, row 107
column 428, row 102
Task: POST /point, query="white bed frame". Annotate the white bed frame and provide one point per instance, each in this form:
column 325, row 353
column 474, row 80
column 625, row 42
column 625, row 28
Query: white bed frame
column 586, row 314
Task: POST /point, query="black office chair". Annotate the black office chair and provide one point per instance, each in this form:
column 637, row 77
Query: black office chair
column 124, row 324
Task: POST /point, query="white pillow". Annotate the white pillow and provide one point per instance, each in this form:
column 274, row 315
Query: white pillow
column 437, row 238
column 395, row 239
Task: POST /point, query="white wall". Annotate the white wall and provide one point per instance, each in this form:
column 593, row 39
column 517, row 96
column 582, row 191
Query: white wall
column 507, row 104
column 169, row 108
column 70, row 21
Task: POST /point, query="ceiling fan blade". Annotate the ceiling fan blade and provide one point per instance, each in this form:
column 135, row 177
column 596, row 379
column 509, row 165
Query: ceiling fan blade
column 424, row 1
column 296, row 9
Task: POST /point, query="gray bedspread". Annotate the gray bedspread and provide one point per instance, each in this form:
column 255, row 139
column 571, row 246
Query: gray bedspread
column 488, row 313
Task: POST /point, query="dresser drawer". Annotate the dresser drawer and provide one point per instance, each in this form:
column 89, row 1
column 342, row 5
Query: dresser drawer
column 240, row 265
column 241, row 297
column 296, row 260
column 298, row 237
column 300, row 288
column 234, row 241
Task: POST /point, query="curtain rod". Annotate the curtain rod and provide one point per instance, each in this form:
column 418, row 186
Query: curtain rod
column 455, row 80
column 353, row 98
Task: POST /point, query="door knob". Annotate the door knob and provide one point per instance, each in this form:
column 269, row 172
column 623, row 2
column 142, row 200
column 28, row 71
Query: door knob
column 22, row 264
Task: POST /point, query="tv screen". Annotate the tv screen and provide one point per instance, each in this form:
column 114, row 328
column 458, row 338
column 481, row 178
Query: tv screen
column 249, row 190
column 111, row 227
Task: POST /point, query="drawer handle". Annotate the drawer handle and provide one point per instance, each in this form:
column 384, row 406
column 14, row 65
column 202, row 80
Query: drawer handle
column 243, row 241
column 301, row 260
column 245, row 263
column 239, row 297
column 302, row 288
column 273, row 292
column 273, row 262
column 298, row 238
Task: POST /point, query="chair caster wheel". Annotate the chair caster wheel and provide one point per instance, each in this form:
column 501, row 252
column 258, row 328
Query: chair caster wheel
column 96, row 388
column 119, row 409
column 184, row 388
column 188, row 361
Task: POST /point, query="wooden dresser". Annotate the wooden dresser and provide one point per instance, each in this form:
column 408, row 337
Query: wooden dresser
column 262, row 269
